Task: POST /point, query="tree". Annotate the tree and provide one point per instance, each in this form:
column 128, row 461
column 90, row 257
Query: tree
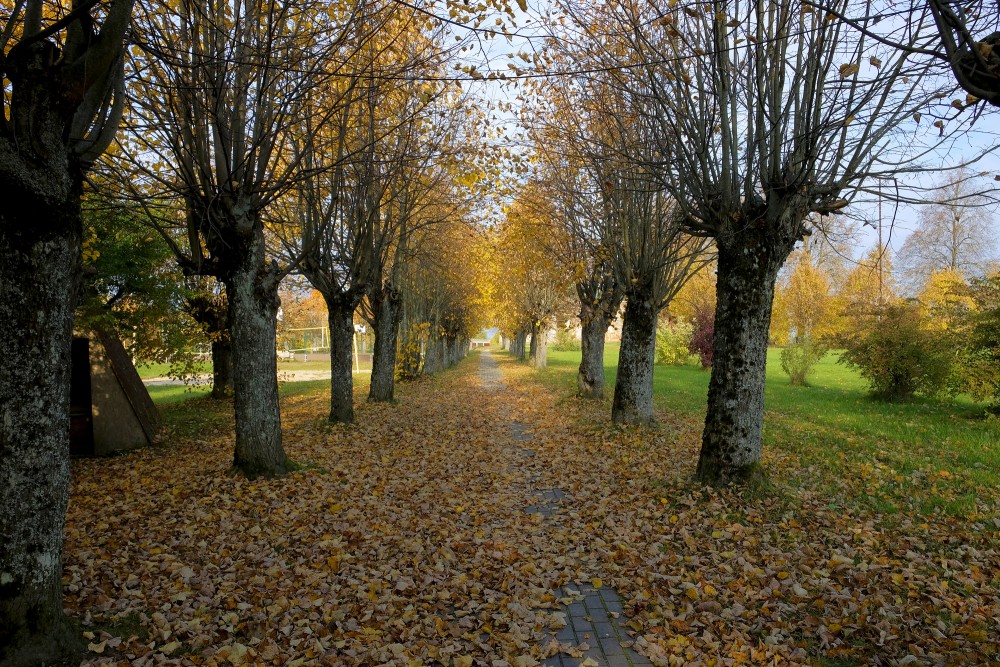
column 220, row 94
column 749, row 150
column 954, row 233
column 364, row 184
column 535, row 284
column 639, row 238
column 974, row 62
column 62, row 81
column 808, row 312
column 586, row 251
column 980, row 341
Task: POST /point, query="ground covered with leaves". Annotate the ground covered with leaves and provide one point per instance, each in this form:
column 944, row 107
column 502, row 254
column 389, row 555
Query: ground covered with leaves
column 404, row 540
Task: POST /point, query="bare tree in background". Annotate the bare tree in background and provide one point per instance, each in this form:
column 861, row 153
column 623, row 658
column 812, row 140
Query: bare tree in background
column 955, row 233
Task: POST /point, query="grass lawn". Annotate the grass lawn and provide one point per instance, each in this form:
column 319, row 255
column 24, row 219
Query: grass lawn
column 149, row 371
column 936, row 453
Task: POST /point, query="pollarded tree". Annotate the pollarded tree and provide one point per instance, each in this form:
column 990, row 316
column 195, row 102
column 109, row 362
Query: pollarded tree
column 424, row 151
column 764, row 114
column 584, row 250
column 219, row 94
column 355, row 201
column 616, row 208
column 62, row 80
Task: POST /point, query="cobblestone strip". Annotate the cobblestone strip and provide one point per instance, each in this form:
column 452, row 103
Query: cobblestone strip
column 595, row 618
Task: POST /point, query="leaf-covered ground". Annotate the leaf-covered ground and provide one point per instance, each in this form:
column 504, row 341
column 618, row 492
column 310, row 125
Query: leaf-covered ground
column 403, row 540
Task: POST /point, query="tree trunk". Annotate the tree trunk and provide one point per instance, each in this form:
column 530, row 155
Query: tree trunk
column 521, row 340
column 211, row 313
column 539, row 346
column 341, row 320
column 387, row 311
column 222, row 367
column 590, row 378
column 253, row 308
column 432, row 358
column 39, row 280
column 731, row 442
column 633, row 400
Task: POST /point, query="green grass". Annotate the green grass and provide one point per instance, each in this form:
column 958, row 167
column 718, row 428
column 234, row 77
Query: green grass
column 172, row 394
column 946, row 450
column 149, row 371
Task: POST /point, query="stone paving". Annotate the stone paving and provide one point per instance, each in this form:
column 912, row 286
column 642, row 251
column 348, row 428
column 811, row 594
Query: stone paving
column 595, row 620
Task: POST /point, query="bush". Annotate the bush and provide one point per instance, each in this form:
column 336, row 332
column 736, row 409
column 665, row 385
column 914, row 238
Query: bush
column 897, row 354
column 672, row 342
column 799, row 358
column 704, row 332
column 978, row 338
column 566, row 341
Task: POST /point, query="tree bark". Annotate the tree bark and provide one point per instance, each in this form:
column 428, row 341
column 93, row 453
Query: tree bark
column 590, row 378
column 387, row 312
column 432, row 358
column 253, row 308
column 539, row 346
column 222, row 367
column 340, row 313
column 520, row 342
column 633, row 400
column 731, row 442
column 212, row 313
column 39, row 279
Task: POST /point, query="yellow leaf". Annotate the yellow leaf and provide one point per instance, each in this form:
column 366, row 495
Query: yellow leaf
column 782, row 575
column 710, row 590
column 596, row 582
column 849, row 69
column 692, row 593
column 463, row 661
column 523, row 5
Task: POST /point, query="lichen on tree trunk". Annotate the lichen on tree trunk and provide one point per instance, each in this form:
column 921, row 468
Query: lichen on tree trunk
column 340, row 312
column 253, row 307
column 539, row 346
column 633, row 399
column 387, row 313
column 39, row 277
column 732, row 439
column 590, row 377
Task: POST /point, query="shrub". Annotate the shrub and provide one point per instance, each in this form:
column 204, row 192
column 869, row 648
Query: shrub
column 978, row 338
column 566, row 341
column 704, row 332
column 799, row 358
column 672, row 343
column 896, row 353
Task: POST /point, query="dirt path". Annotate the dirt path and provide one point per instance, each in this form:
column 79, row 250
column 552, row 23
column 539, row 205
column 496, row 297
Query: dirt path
column 595, row 623
column 424, row 532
